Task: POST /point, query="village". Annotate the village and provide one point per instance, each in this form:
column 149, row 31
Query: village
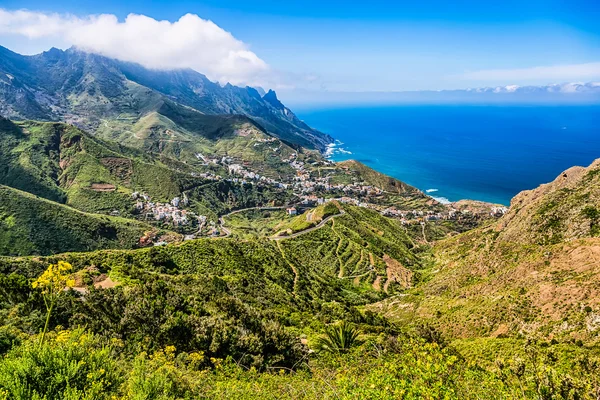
column 170, row 213
column 307, row 190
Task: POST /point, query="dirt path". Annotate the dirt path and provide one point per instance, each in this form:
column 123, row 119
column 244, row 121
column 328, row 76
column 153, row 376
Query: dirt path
column 424, row 236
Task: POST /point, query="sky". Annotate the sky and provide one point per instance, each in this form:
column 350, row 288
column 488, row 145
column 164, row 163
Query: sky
column 335, row 46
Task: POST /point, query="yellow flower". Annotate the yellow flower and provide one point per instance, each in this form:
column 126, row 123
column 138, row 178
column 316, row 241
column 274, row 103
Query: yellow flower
column 63, row 336
column 55, row 279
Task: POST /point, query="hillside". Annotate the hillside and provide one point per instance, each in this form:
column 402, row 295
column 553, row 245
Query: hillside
column 32, row 225
column 227, row 297
column 378, row 179
column 534, row 273
column 90, row 91
column 63, row 164
column 224, row 317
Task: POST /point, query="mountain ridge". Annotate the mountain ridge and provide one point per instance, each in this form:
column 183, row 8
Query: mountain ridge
column 532, row 273
column 84, row 88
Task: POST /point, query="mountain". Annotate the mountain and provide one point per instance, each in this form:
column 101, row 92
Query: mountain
column 532, row 273
column 291, row 276
column 61, row 163
column 91, row 91
column 235, row 310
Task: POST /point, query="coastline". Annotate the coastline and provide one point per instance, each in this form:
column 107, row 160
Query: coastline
column 484, row 153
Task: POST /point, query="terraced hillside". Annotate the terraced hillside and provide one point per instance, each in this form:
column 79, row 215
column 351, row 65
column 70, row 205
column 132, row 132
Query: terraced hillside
column 327, row 272
column 357, row 242
column 535, row 273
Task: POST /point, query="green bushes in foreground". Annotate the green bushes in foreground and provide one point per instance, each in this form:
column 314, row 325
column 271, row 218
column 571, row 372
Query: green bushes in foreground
column 76, row 365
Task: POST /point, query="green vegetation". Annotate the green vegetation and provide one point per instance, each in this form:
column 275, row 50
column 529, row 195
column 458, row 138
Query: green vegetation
column 339, row 338
column 217, row 198
column 32, row 225
column 343, row 304
column 75, row 365
column 63, row 164
column 255, row 223
column 308, row 219
column 375, row 178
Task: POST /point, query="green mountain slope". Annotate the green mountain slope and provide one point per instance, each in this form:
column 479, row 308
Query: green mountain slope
column 378, row 179
column 216, row 286
column 360, row 243
column 32, row 225
column 61, row 163
column 533, row 273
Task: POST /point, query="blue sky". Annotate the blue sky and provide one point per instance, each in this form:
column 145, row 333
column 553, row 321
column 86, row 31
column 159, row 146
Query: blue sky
column 375, row 45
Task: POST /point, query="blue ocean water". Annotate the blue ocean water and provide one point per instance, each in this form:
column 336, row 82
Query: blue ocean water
column 487, row 153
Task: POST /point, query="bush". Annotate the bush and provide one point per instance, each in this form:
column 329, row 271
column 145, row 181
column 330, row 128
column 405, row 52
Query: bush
column 69, row 365
column 339, row 338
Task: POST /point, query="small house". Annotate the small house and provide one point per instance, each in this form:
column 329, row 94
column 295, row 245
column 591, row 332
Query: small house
column 292, row 211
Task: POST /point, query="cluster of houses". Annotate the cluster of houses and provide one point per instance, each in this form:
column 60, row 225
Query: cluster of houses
column 306, row 187
column 249, row 176
column 166, row 212
column 311, row 200
column 418, row 216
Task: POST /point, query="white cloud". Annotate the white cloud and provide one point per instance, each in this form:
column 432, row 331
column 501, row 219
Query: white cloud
column 546, row 73
column 190, row 42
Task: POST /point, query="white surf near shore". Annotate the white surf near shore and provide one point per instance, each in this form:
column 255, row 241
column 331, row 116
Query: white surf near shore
column 442, row 200
column 335, row 148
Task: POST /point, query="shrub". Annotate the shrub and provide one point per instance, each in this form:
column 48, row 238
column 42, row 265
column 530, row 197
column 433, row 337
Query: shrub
column 70, row 365
column 339, row 338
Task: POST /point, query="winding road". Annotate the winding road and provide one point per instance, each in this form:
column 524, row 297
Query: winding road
column 319, row 225
column 276, row 238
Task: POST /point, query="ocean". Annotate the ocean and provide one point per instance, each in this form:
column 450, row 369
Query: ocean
column 453, row 152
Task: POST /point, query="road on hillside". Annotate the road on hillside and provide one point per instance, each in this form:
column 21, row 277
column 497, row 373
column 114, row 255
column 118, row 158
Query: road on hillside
column 319, row 225
column 222, row 221
column 294, row 235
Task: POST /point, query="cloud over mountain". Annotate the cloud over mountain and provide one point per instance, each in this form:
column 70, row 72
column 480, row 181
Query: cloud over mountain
column 190, row 42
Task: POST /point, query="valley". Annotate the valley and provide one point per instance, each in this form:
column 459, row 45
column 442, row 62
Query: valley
column 198, row 243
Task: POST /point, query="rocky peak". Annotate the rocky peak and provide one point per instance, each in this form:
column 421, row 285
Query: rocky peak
column 271, row 98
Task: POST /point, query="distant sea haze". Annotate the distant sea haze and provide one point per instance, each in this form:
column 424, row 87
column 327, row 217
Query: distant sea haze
column 488, row 153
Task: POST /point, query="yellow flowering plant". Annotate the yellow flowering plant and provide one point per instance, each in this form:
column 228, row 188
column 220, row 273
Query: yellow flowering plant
column 52, row 283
